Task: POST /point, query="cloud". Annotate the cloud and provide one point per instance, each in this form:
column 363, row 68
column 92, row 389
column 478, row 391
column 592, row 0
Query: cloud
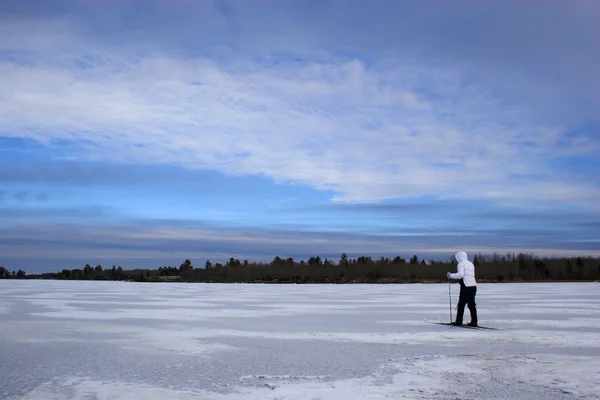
column 11, row 215
column 82, row 173
column 21, row 196
column 442, row 101
column 42, row 197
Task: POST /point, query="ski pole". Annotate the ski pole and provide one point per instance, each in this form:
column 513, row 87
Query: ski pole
column 450, row 300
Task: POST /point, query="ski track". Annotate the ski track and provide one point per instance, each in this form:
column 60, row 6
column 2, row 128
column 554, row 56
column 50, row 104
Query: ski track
column 116, row 340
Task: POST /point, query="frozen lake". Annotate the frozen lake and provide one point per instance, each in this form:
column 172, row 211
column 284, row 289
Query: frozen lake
column 115, row 340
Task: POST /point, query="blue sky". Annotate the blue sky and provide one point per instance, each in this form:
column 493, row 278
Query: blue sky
column 142, row 133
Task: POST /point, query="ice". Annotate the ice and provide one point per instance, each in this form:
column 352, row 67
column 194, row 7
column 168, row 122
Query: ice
column 116, row 340
column 5, row 308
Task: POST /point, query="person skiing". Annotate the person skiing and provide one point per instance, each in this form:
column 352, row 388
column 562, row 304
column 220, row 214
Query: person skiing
column 465, row 271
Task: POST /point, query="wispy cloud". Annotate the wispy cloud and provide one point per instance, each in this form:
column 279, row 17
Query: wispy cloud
column 21, row 196
column 404, row 124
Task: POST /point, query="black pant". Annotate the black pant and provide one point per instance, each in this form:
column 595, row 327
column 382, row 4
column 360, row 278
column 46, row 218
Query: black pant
column 466, row 297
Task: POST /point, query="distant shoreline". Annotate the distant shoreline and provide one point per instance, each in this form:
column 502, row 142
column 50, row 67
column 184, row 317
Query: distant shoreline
column 493, row 268
column 316, row 282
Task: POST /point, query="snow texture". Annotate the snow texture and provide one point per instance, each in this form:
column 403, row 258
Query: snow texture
column 115, row 340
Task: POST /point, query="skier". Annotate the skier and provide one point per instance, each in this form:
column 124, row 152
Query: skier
column 468, row 288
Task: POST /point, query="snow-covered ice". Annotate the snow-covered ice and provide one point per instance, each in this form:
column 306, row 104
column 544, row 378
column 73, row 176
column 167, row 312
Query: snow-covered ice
column 115, row 340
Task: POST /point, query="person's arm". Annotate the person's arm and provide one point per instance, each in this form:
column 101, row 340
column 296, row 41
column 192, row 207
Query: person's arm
column 459, row 274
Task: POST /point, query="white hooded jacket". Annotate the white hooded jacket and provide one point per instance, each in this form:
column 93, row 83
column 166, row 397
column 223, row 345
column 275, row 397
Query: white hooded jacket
column 465, row 269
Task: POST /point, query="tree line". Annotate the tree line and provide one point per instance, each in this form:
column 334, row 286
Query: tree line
column 508, row 267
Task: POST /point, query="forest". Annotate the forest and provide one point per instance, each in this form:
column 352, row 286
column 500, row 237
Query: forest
column 489, row 268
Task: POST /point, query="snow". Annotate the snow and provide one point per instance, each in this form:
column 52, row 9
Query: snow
column 4, row 308
column 115, row 340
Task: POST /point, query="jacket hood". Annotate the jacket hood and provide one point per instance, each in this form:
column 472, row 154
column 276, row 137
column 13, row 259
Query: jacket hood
column 461, row 256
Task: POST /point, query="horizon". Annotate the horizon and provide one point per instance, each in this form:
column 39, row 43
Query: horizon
column 148, row 133
column 435, row 259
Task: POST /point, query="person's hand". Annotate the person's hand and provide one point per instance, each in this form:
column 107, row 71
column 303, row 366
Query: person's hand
column 448, row 275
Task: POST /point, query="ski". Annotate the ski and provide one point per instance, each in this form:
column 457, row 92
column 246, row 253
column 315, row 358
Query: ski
column 467, row 326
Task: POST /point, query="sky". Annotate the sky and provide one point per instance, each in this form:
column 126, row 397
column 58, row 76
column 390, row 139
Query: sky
column 143, row 133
